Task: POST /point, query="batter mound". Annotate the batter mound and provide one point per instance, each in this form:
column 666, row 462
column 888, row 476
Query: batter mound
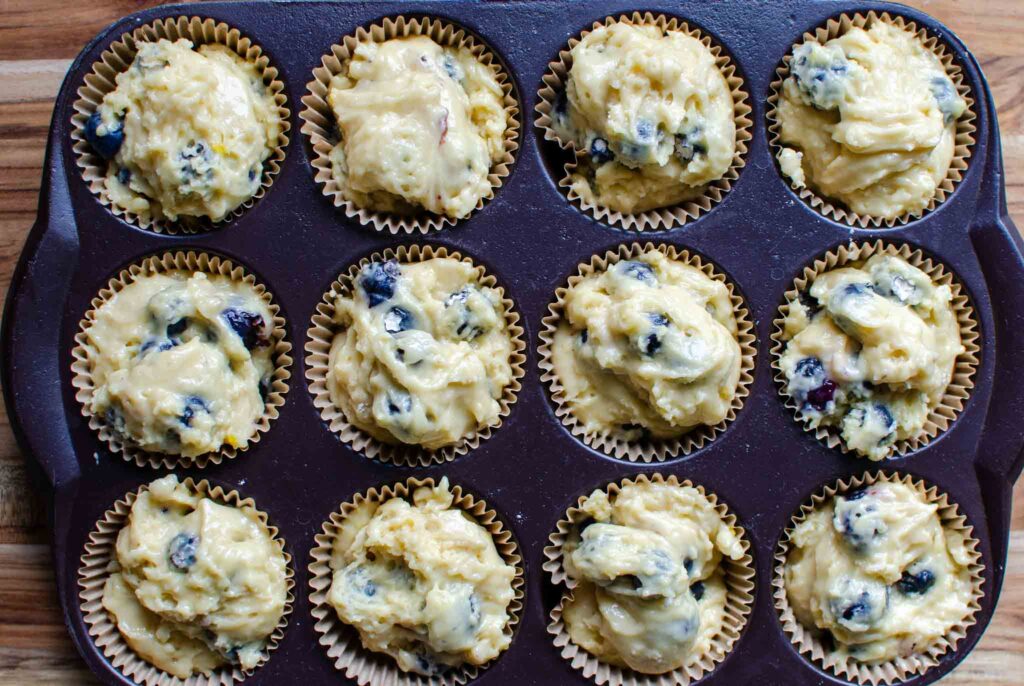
column 197, row 584
column 182, row 362
column 422, row 582
column 651, row 590
column 651, row 113
column 874, row 115
column 871, row 349
column 420, row 127
column 647, row 348
column 423, row 353
column 876, row 570
column 186, row 132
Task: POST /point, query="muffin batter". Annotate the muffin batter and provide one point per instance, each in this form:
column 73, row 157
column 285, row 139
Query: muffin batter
column 874, row 115
column 420, row 127
column 876, row 569
column 197, row 584
column 651, row 113
column 651, row 590
column 870, row 350
column 423, row 353
column 182, row 362
column 186, row 132
column 647, row 348
column 422, row 582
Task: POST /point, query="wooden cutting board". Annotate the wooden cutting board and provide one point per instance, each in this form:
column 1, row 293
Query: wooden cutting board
column 38, row 40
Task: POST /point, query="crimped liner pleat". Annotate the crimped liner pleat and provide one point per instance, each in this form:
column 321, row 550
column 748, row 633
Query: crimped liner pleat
column 322, row 331
column 96, row 566
column 902, row 668
column 321, row 128
column 739, row 580
column 966, row 364
column 613, row 442
column 554, row 82
column 118, row 57
column 963, row 138
column 83, row 353
column 342, row 641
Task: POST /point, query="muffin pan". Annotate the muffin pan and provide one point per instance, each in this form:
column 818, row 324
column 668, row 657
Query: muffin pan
column 764, row 465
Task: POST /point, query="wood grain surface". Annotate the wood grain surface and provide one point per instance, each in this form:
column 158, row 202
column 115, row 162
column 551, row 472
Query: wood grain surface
column 39, row 38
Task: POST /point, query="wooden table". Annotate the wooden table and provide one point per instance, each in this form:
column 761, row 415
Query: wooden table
column 38, row 40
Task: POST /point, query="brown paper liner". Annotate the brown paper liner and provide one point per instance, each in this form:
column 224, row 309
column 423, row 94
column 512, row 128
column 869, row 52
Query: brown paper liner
column 612, row 442
column 321, row 128
column 118, row 57
column 673, row 216
column 99, row 560
column 321, row 333
column 342, row 641
column 942, row 416
column 83, row 352
column 963, row 140
column 810, row 645
column 739, row 578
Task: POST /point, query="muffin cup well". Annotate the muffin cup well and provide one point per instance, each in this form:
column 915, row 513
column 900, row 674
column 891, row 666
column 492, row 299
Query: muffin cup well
column 99, row 561
column 321, row 127
column 943, row 415
column 810, row 645
column 83, row 353
column 963, row 137
column 614, row 443
column 118, row 57
column 322, row 331
column 554, row 83
column 739, row 579
column 342, row 641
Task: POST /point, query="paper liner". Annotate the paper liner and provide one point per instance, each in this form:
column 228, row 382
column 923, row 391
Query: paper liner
column 952, row 403
column 83, row 352
column 739, row 580
column 118, row 57
column 342, row 641
column 965, row 128
column 321, row 128
column 98, row 561
column 673, row 216
column 613, row 442
column 321, row 333
column 809, row 645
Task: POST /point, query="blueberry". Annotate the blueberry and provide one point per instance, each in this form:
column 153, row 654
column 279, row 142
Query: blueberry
column 249, row 326
column 691, row 144
column 688, row 565
column 194, row 162
column 124, row 175
column 182, row 551
column 658, row 319
column 398, row 319
column 644, row 131
column 915, row 583
column 697, row 590
column 469, row 321
column 399, row 403
column 252, row 174
column 877, row 421
column 452, row 69
column 427, row 665
column 106, row 144
column 821, row 74
column 810, row 368
column 820, row 397
column 641, row 271
column 584, row 337
column 359, row 579
column 810, row 303
column 157, row 344
column 859, row 520
column 193, row 404
column 175, row 329
column 650, row 344
column 600, row 152
column 855, row 494
column 858, row 604
column 946, row 98
column 377, row 280
column 560, row 106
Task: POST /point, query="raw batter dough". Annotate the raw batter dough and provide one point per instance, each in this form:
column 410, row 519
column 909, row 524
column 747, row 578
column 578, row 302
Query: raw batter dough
column 422, row 582
column 420, row 127
column 876, row 569
column 182, row 362
column 186, row 132
column 423, row 353
column 874, row 114
column 871, row 349
column 197, row 584
column 647, row 348
column 652, row 114
column 651, row 590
